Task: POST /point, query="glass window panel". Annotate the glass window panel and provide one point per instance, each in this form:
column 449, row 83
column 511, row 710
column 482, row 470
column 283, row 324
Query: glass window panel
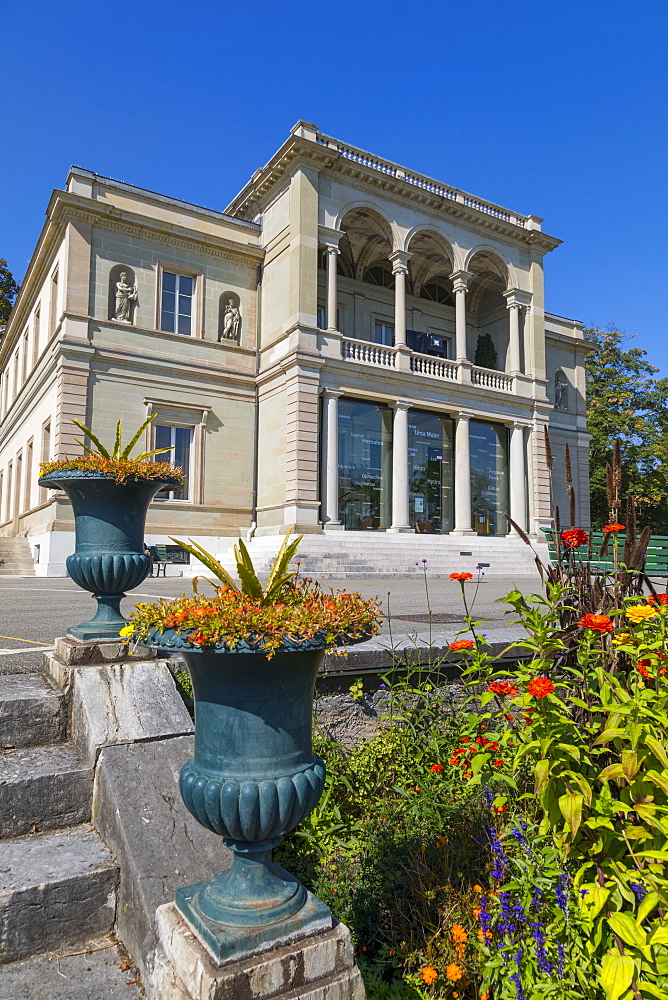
column 168, row 281
column 183, row 443
column 184, row 325
column 430, row 470
column 489, row 477
column 167, row 321
column 168, row 301
column 186, row 285
column 365, row 465
column 185, row 305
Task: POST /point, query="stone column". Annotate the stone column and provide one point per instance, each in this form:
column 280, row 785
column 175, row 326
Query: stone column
column 329, row 456
column 399, row 261
column 460, row 281
column 462, row 476
column 332, row 253
column 400, row 515
column 515, row 300
column 518, row 502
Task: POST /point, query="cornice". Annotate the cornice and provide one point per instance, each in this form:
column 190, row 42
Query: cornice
column 299, row 151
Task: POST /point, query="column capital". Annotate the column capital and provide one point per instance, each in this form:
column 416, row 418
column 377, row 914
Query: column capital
column 328, row 393
column 524, row 424
column 399, row 404
column 464, row 415
column 330, row 248
column 516, row 298
column 460, row 280
column 330, row 237
column 399, row 260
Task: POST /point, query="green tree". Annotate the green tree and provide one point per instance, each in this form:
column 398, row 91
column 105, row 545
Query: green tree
column 485, row 352
column 8, row 290
column 625, row 400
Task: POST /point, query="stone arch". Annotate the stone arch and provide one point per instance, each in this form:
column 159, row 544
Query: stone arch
column 432, row 257
column 114, row 277
column 492, row 260
column 229, row 332
column 368, row 238
column 486, row 306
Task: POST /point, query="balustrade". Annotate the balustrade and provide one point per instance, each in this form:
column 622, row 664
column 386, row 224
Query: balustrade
column 491, row 379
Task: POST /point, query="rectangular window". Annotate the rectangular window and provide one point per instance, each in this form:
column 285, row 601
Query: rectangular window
column 27, row 489
column 365, row 465
column 45, row 453
column 384, row 334
column 489, row 477
column 24, row 370
column 176, row 304
column 35, row 334
column 431, row 472
column 8, row 510
column 15, row 387
column 179, row 440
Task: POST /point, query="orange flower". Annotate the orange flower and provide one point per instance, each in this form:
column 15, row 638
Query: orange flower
column 574, row 538
column 453, row 972
column 642, row 669
column 597, row 623
column 462, row 644
column 477, row 888
column 331, row 606
column 613, row 527
column 429, row 975
column 437, row 768
column 504, row 688
column 461, row 576
column 441, row 841
column 459, row 934
column 485, row 995
column 659, row 599
column 539, row 687
column 484, row 935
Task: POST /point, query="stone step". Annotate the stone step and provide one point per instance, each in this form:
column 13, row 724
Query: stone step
column 32, row 711
column 56, row 888
column 96, row 970
column 43, row 788
column 16, row 557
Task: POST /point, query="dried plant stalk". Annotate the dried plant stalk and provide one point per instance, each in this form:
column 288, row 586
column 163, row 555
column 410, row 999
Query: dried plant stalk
column 548, row 450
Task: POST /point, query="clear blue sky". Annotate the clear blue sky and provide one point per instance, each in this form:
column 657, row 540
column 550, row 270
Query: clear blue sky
column 551, row 107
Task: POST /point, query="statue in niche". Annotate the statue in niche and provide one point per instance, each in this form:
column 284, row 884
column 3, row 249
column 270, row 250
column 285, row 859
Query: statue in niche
column 231, row 323
column 126, row 295
column 560, row 391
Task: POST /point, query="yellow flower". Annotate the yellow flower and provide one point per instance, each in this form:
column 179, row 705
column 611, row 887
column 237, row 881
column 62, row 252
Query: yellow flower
column 128, row 630
column 622, row 638
column 641, row 612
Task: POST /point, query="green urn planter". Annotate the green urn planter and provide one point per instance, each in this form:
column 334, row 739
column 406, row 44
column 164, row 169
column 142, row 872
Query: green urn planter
column 252, row 779
column 109, row 558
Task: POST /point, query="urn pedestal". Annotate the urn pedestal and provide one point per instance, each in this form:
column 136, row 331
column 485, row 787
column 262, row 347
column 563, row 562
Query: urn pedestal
column 252, row 779
column 109, row 559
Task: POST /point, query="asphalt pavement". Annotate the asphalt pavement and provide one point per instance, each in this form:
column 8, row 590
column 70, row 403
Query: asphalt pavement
column 34, row 610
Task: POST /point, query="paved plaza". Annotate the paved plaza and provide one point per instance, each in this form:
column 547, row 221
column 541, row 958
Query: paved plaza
column 33, row 611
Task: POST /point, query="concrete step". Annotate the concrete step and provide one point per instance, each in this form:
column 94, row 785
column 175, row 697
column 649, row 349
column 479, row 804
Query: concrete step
column 96, row 970
column 43, row 788
column 16, row 557
column 32, row 711
column 56, row 888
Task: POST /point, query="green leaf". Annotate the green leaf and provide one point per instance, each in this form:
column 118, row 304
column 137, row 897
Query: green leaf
column 279, row 574
column 209, row 561
column 652, row 990
column 541, row 775
column 116, row 453
column 616, row 975
column 647, row 905
column 625, row 925
column 660, row 936
column 101, row 450
column 657, row 749
column 630, row 764
column 593, row 902
column 658, row 779
column 128, row 448
column 570, row 805
column 246, row 571
column 149, row 454
column 610, row 734
column 611, row 771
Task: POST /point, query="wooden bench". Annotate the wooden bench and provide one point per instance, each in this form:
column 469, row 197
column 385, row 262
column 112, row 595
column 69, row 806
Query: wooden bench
column 656, row 560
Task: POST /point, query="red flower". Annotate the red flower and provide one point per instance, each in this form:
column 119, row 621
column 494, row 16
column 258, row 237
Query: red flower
column 461, row 576
column 613, row 527
column 539, row 687
column 659, row 599
column 462, row 644
column 497, row 763
column 574, row 538
column 504, row 688
column 436, row 768
column 597, row 623
column 642, row 669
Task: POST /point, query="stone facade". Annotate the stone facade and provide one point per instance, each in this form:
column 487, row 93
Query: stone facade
column 350, row 346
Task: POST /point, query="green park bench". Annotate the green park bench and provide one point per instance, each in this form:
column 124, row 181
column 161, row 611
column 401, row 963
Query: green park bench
column 656, row 560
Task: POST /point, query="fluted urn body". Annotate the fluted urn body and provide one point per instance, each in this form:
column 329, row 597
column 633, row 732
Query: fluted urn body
column 253, row 778
column 109, row 558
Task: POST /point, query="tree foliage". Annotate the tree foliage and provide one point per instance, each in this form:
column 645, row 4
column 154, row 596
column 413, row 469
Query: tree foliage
column 8, row 290
column 485, row 352
column 625, row 400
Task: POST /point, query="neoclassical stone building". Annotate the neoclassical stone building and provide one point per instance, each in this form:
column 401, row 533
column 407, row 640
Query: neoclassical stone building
column 350, row 347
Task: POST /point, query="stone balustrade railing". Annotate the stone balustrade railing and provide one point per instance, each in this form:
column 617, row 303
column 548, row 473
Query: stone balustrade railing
column 423, row 364
column 491, row 379
column 367, row 353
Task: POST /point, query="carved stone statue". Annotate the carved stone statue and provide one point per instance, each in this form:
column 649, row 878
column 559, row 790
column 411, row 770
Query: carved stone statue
column 231, row 323
column 560, row 392
column 125, row 296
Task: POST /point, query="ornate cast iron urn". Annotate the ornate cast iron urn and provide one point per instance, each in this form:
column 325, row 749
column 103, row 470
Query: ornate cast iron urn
column 253, row 778
column 109, row 558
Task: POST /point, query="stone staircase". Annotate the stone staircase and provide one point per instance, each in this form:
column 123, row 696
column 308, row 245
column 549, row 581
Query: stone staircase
column 359, row 555
column 16, row 557
column 58, row 880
